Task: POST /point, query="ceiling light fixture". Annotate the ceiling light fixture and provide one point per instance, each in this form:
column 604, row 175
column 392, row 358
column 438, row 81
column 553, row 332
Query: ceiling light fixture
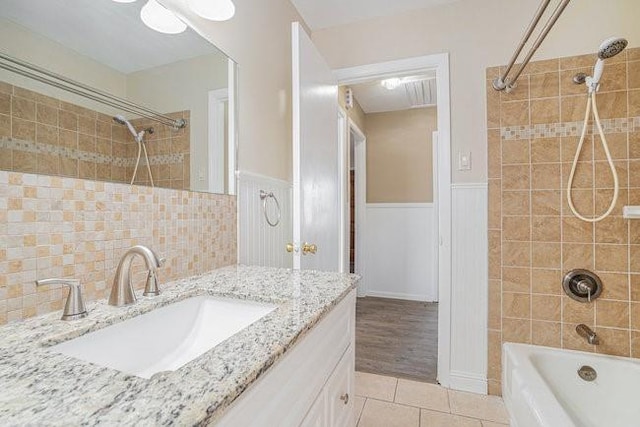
column 214, row 10
column 124, row 1
column 391, row 83
column 159, row 18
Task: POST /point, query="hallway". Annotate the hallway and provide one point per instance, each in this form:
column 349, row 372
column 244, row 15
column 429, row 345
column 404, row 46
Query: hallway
column 397, row 338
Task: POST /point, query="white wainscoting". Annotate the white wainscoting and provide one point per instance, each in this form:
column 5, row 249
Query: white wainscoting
column 401, row 250
column 469, row 288
column 258, row 242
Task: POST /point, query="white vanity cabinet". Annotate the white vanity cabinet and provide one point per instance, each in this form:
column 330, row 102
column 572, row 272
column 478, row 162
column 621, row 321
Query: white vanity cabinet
column 311, row 385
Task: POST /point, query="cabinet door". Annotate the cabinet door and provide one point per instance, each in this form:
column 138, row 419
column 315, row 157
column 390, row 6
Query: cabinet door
column 339, row 391
column 316, row 417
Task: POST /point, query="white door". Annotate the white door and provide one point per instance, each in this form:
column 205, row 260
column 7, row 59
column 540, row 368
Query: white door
column 316, row 175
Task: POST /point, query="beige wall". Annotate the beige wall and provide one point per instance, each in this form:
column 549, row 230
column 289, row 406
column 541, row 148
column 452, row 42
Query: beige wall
column 356, row 113
column 46, row 53
column 399, row 156
column 258, row 38
column 476, row 36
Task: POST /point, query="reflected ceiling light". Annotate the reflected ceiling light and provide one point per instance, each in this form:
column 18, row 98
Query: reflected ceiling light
column 124, row 1
column 215, row 10
column 159, row 18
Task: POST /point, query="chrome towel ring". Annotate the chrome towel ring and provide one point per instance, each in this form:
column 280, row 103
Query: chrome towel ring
column 264, row 196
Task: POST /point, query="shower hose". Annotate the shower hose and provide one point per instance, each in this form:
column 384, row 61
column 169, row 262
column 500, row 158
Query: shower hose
column 141, row 146
column 592, row 104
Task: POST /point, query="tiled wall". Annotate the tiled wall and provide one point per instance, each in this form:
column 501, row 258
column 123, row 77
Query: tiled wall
column 73, row 228
column 534, row 239
column 41, row 134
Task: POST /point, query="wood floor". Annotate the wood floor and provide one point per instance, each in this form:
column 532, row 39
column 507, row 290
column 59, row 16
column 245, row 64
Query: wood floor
column 397, row 338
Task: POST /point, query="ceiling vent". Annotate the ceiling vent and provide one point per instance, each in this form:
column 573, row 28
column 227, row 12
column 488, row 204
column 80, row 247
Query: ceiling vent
column 421, row 93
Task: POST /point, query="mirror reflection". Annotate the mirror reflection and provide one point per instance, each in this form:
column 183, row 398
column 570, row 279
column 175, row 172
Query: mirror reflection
column 88, row 90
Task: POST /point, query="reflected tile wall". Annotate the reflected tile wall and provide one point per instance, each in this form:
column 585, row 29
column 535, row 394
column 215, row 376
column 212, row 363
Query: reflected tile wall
column 41, row 134
column 74, row 228
column 534, row 239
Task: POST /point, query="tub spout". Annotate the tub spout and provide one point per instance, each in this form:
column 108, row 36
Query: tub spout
column 585, row 332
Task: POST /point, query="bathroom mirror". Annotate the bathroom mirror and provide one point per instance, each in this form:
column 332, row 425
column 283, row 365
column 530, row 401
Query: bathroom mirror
column 87, row 90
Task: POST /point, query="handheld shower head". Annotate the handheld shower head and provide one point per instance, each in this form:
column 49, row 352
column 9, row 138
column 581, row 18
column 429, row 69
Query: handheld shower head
column 121, row 120
column 611, row 47
column 608, row 49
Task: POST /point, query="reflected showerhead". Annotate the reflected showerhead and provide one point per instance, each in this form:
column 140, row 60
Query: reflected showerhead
column 611, row 47
column 121, row 120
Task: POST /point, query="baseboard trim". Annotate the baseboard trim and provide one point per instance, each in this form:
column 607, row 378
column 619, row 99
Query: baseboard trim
column 467, row 382
column 394, row 295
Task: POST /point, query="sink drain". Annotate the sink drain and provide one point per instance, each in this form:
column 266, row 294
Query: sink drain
column 587, row 373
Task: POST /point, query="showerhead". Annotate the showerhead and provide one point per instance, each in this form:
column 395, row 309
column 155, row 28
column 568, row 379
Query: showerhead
column 608, row 49
column 121, row 120
column 611, row 47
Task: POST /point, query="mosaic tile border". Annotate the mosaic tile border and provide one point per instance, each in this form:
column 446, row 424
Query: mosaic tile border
column 75, row 154
column 555, row 130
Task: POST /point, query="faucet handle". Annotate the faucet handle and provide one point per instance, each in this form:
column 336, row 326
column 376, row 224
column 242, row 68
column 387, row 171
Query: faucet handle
column 74, row 307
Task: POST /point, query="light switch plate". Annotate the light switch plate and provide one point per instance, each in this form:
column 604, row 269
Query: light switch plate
column 464, row 160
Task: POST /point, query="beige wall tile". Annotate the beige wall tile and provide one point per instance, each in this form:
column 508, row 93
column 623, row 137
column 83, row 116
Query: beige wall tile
column 576, row 255
column 534, row 203
column 545, row 176
column 617, row 286
column 515, row 152
column 612, row 230
column 545, row 255
column 546, row 307
column 516, row 228
column 614, row 341
column 545, row 202
column 516, row 279
column 544, row 85
column 514, row 113
column 545, row 228
column 515, row 177
column 516, row 254
column 545, row 150
column 516, row 305
column 495, row 203
column 612, row 314
column 548, row 334
column 611, row 257
column 575, row 230
column 515, row 202
column 545, row 111
column 516, row 330
column 544, row 281
column 577, row 312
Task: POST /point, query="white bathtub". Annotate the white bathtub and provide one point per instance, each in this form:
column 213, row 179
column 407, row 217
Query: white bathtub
column 541, row 388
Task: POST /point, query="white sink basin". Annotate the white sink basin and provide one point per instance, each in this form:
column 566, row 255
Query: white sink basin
column 166, row 338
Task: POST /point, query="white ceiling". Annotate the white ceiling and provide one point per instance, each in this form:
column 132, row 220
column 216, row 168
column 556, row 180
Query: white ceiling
column 108, row 32
column 329, row 13
column 417, row 91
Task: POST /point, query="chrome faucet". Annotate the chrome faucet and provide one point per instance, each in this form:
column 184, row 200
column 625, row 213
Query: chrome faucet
column 122, row 290
column 74, row 307
column 585, row 332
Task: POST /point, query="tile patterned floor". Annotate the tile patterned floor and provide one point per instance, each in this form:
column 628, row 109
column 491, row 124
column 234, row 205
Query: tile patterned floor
column 383, row 401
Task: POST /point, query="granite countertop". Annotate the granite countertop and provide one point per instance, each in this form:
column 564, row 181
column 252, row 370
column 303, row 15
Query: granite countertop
column 40, row 387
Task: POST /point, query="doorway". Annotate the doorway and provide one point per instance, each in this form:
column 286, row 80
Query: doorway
column 385, row 305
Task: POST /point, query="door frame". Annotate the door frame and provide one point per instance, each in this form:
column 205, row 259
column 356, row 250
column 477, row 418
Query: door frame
column 442, row 175
column 360, row 162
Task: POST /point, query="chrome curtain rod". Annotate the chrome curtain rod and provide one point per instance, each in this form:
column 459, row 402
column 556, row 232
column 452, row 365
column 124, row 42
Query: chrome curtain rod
column 503, row 82
column 34, row 72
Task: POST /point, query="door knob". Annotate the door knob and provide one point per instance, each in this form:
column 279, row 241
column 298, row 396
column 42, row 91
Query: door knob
column 290, row 247
column 309, row 248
